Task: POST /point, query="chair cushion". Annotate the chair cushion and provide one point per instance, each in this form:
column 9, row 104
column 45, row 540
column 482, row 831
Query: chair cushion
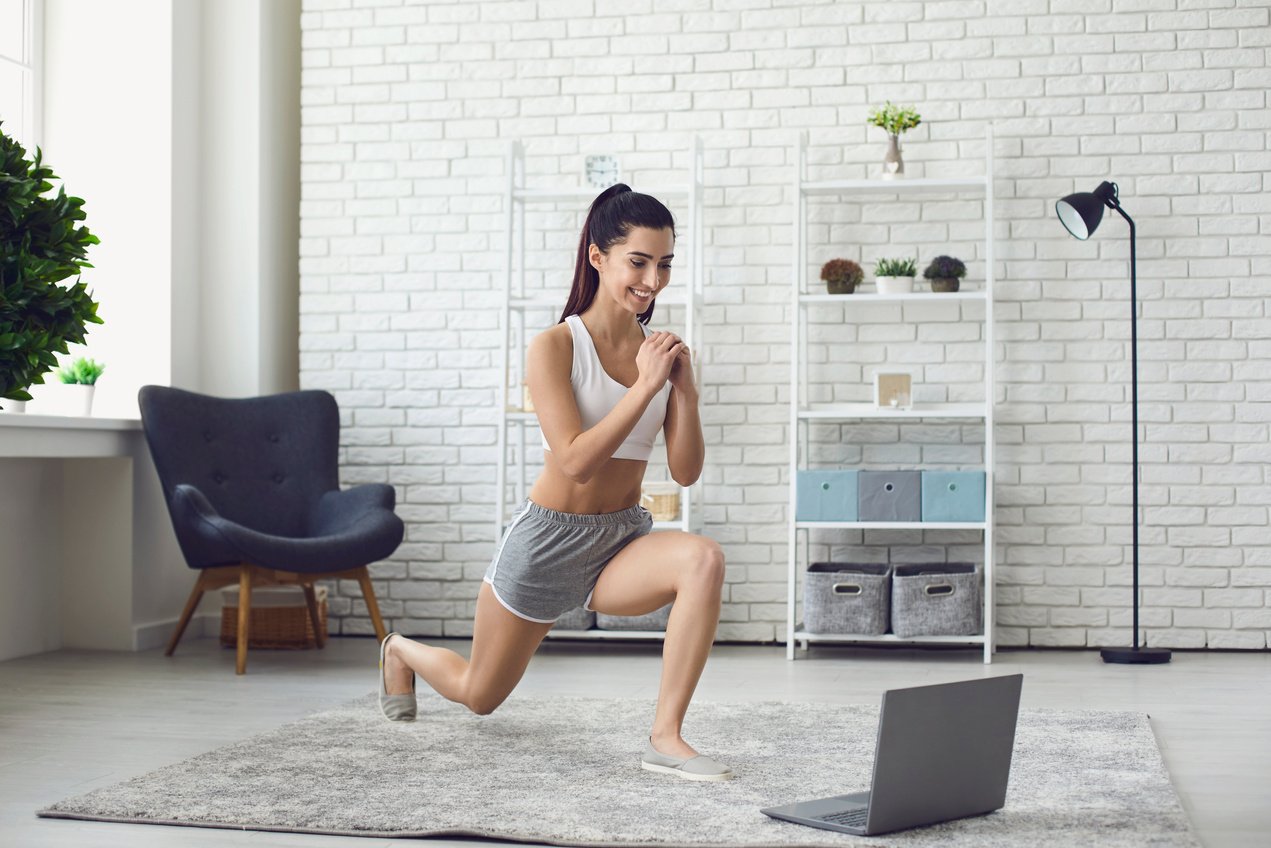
column 356, row 530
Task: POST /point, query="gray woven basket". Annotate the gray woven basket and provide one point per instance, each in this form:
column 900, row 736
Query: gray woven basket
column 936, row 599
column 847, row 597
column 654, row 621
column 576, row 619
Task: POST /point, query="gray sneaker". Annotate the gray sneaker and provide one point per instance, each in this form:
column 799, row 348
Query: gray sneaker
column 694, row 768
column 396, row 707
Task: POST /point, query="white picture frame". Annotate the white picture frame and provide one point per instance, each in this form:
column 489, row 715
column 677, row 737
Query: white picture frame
column 893, row 388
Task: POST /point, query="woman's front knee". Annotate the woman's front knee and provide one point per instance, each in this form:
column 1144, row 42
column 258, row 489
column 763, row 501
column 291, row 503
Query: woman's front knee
column 706, row 565
column 481, row 701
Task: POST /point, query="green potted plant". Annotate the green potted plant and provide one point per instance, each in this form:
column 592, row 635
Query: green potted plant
column 895, row 276
column 841, row 276
column 895, row 120
column 42, row 244
column 944, row 272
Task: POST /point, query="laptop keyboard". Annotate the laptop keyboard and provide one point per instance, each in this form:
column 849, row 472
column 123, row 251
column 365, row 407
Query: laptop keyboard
column 851, row 818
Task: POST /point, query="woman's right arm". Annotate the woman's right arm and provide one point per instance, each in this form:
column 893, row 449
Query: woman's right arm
column 581, row 453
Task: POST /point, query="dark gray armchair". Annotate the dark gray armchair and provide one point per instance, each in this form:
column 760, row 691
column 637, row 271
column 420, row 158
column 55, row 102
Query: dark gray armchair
column 252, row 486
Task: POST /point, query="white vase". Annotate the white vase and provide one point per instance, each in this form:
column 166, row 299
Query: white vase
column 13, row 406
column 894, row 285
column 64, row 399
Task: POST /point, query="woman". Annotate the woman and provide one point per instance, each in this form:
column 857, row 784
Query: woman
column 603, row 385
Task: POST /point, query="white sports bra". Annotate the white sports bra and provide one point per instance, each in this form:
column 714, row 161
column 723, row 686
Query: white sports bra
column 596, row 394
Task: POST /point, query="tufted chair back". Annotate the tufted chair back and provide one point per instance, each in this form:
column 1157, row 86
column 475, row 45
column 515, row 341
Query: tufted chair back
column 261, row 462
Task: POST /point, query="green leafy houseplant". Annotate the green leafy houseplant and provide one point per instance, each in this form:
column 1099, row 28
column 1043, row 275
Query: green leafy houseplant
column 944, row 272
column 42, row 243
column 841, row 276
column 82, row 371
column 896, row 268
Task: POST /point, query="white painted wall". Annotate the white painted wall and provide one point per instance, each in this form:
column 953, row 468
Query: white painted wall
column 178, row 124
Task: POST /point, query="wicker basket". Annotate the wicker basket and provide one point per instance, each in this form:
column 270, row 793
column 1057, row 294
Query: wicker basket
column 279, row 618
column 662, row 500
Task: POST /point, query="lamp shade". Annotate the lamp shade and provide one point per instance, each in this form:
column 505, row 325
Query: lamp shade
column 1081, row 213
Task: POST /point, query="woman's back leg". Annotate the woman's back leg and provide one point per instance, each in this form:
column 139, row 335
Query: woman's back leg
column 502, row 645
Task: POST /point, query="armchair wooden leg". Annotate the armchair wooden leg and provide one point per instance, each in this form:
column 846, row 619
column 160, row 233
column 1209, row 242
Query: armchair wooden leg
column 196, row 595
column 311, row 599
column 368, row 594
column 244, row 616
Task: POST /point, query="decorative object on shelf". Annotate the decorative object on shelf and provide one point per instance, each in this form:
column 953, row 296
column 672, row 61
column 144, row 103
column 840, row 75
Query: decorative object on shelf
column 527, row 403
column 893, row 389
column 1081, row 213
column 42, row 243
column 661, row 499
column 576, row 619
column 895, row 276
column 654, row 622
column 846, row 597
column 936, row 599
column 889, row 496
column 72, row 394
column 952, row 496
column 602, row 170
column 825, row 495
column 945, row 272
column 13, row 406
column 841, row 276
column 895, row 120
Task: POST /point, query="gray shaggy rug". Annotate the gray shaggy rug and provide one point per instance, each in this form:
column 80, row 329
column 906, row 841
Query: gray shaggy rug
column 567, row 772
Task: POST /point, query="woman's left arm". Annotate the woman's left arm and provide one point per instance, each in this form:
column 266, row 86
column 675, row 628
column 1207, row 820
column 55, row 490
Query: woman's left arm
column 685, row 448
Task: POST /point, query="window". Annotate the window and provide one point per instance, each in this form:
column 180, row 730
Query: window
column 19, row 70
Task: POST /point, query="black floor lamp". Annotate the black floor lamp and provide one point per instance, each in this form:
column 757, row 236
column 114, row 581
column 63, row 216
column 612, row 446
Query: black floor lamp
column 1081, row 214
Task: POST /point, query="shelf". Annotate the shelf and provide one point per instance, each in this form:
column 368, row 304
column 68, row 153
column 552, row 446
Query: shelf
column 918, row 185
column 848, row 411
column 891, row 525
column 550, row 195
column 606, row 634
column 888, row 638
column 874, row 297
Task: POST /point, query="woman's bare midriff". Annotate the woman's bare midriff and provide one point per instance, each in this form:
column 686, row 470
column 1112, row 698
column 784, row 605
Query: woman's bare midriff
column 615, row 487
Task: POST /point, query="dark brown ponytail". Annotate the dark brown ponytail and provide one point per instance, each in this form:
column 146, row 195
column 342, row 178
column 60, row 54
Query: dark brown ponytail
column 609, row 220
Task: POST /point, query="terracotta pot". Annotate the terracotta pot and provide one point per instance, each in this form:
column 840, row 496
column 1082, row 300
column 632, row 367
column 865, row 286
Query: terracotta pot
column 840, row 286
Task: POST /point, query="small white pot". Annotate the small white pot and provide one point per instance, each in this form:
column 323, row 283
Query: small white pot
column 12, row 406
column 894, row 285
column 65, row 399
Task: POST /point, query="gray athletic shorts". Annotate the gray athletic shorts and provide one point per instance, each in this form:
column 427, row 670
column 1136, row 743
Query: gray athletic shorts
column 548, row 562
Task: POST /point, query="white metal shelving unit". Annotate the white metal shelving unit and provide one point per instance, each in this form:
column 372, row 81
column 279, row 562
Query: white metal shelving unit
column 801, row 412
column 518, row 305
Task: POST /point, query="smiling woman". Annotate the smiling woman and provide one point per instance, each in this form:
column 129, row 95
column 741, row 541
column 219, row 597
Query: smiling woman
column 603, row 385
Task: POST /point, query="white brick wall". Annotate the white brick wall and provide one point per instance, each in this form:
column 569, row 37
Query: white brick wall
column 408, row 109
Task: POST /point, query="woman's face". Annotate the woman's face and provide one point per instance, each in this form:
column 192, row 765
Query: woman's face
column 637, row 268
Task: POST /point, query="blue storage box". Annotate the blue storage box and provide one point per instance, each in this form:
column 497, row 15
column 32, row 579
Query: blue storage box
column 953, row 496
column 828, row 495
column 890, row 496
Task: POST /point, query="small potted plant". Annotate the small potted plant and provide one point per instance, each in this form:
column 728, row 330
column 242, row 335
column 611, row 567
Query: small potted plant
column 895, row 120
column 895, row 276
column 841, row 276
column 75, row 394
column 944, row 272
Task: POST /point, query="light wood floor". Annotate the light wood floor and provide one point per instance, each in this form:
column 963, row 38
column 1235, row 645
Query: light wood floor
column 72, row 721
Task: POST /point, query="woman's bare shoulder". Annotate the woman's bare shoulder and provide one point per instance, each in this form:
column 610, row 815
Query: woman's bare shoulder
column 554, row 343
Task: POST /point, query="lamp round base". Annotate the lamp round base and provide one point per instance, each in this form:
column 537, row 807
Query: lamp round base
column 1135, row 656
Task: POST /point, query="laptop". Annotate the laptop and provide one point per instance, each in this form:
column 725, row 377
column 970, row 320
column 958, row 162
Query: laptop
column 943, row 752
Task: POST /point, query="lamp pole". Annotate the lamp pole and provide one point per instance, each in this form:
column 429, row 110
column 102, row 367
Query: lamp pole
column 1081, row 213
